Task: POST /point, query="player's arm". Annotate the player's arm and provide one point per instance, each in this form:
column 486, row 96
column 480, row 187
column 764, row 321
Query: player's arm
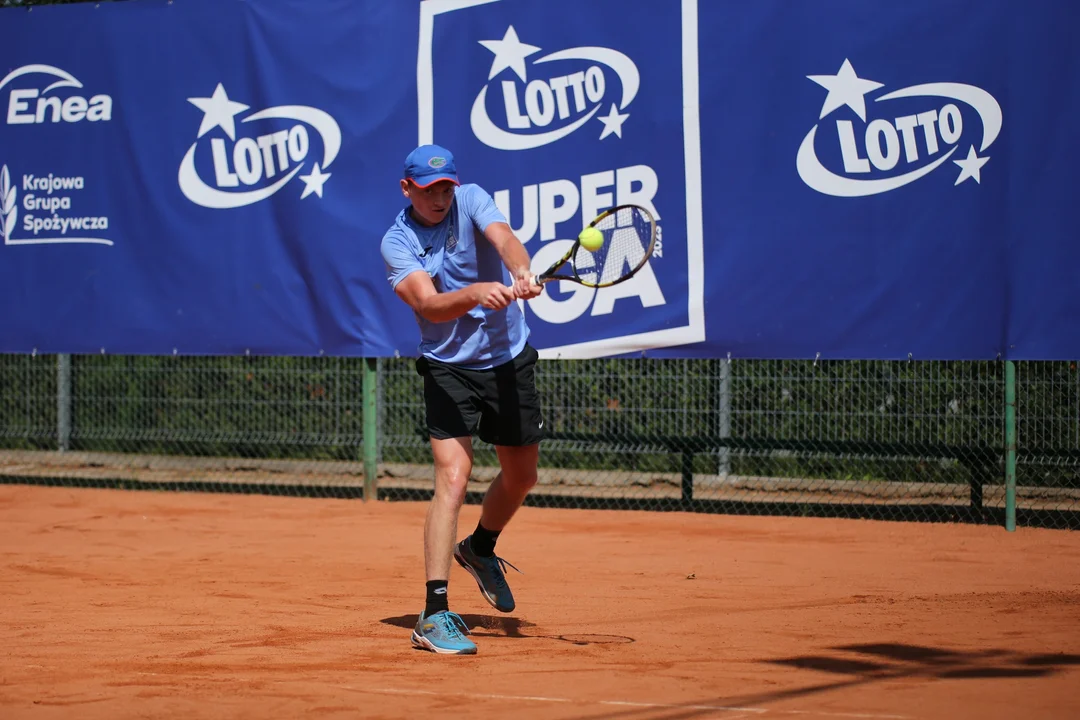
column 514, row 257
column 417, row 290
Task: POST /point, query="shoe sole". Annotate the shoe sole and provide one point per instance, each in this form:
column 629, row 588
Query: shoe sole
column 424, row 644
column 468, row 568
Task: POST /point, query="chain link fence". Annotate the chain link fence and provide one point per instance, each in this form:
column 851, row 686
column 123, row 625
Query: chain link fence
column 898, row 440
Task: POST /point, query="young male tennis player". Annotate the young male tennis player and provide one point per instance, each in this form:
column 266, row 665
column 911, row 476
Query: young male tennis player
column 447, row 256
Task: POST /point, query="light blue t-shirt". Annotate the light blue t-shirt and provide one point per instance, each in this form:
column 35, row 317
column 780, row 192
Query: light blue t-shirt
column 456, row 254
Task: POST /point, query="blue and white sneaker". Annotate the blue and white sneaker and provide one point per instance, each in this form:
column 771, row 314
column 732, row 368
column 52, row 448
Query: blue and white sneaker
column 489, row 575
column 443, row 633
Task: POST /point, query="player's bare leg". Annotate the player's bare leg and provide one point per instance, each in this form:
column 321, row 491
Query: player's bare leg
column 509, row 488
column 453, row 465
column 438, row 629
column 503, row 498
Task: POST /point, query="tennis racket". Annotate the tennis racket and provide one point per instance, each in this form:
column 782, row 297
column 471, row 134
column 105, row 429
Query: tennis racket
column 629, row 233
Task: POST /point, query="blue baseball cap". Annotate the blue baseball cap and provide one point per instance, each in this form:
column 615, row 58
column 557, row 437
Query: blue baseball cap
column 429, row 164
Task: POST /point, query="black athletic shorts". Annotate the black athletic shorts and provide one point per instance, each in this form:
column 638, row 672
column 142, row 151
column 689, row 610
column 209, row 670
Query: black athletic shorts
column 500, row 404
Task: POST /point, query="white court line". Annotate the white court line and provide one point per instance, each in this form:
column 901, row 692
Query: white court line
column 722, row 708
column 625, row 703
column 875, row 716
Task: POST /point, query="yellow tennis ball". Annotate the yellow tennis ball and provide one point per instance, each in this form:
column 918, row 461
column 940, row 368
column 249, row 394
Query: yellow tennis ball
column 591, row 239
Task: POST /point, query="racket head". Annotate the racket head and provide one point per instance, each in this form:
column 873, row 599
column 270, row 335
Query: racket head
column 629, row 239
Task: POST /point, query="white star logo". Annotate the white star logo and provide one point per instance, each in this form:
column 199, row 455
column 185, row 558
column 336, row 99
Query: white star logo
column 509, row 53
column 845, row 88
column 314, row 181
column 970, row 166
column 613, row 122
column 219, row 111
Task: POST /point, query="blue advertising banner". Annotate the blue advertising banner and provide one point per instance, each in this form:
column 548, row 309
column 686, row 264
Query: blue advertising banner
column 201, row 177
column 562, row 120
column 891, row 181
column 861, row 211
column 831, row 179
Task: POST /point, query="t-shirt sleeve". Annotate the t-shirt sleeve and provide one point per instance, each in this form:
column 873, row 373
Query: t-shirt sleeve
column 401, row 260
column 480, row 207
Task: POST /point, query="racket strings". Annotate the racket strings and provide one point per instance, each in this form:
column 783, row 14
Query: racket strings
column 627, row 236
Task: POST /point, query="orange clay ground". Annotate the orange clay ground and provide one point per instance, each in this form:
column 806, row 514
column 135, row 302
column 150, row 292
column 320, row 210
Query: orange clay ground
column 121, row 604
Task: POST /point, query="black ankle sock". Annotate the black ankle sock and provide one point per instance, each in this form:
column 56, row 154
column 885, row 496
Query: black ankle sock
column 436, row 597
column 483, row 541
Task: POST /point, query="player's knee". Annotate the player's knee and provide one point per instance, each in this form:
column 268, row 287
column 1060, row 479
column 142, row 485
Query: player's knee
column 523, row 480
column 451, row 484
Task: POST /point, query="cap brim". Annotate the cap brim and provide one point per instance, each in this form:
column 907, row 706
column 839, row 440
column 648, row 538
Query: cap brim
column 432, row 179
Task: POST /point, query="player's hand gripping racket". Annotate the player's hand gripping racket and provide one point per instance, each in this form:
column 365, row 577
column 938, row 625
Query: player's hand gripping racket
column 627, row 234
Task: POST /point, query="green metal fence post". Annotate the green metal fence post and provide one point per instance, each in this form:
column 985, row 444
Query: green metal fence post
column 1010, row 445
column 371, row 427
column 724, row 456
column 63, row 402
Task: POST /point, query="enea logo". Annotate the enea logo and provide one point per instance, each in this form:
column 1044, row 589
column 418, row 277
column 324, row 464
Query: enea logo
column 930, row 123
column 37, row 106
column 557, row 93
column 48, row 208
column 250, row 169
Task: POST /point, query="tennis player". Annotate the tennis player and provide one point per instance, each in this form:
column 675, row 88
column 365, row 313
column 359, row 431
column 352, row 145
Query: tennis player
column 447, row 256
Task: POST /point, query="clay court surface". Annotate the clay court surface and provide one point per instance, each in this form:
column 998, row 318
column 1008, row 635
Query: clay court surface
column 179, row 605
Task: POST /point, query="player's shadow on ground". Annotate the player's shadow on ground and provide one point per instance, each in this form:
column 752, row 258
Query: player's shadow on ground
column 511, row 627
column 888, row 660
column 863, row 664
